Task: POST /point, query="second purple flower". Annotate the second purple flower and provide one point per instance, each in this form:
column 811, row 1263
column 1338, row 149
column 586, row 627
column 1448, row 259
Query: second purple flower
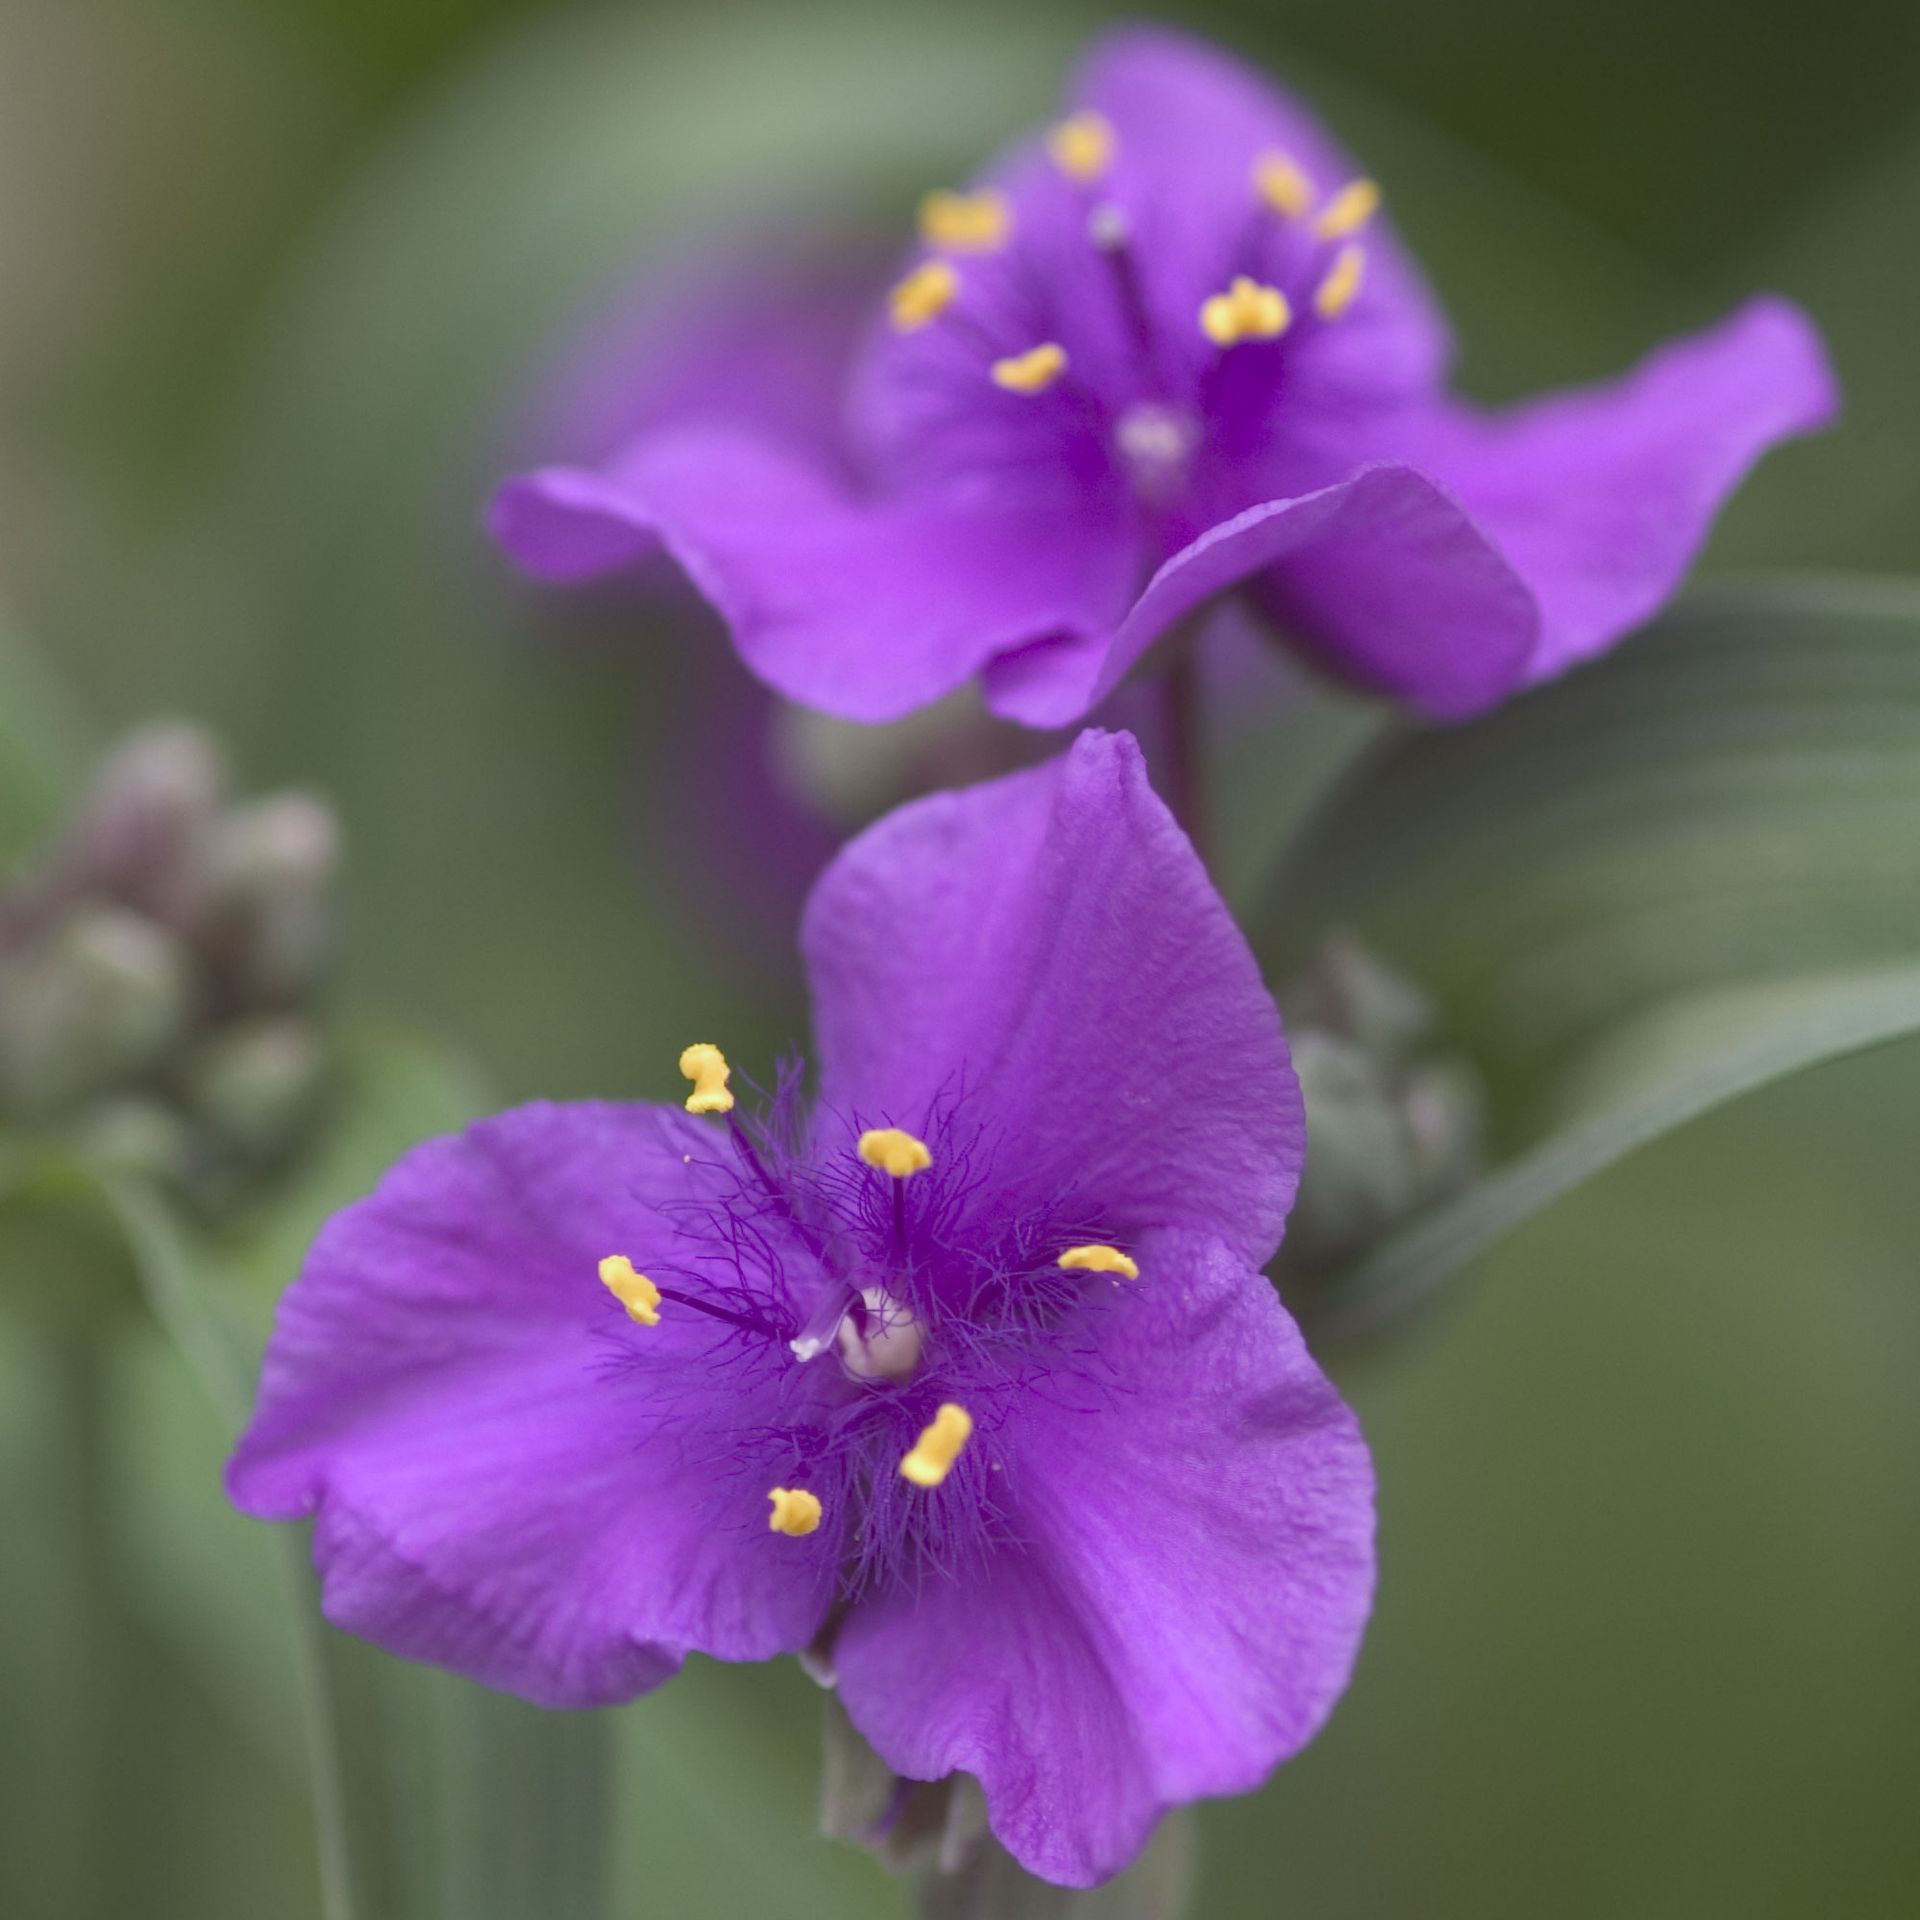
column 1169, row 350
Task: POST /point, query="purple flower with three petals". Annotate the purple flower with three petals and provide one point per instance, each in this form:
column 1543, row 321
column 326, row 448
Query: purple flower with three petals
column 1170, row 350
column 964, row 1378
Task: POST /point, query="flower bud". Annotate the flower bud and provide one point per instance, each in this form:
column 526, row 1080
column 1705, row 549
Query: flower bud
column 253, row 1085
column 1390, row 1128
column 1351, row 991
column 1359, row 1177
column 271, row 922
column 100, row 999
column 145, row 829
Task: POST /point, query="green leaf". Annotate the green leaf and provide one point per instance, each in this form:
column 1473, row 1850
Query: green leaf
column 433, row 1797
column 44, row 745
column 1668, row 879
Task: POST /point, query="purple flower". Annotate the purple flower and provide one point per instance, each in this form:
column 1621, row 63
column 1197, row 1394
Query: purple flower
column 1173, row 349
column 965, row 1379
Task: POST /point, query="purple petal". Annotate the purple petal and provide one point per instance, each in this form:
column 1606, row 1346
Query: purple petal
column 754, row 332
column 1601, row 498
column 1191, row 122
column 477, row 1426
column 867, row 611
column 1051, row 945
column 1184, row 1598
column 1383, row 578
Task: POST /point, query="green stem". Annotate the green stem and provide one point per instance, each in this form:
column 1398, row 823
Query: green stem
column 1184, row 730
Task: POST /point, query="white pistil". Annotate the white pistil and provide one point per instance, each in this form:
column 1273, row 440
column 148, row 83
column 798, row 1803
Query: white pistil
column 888, row 1345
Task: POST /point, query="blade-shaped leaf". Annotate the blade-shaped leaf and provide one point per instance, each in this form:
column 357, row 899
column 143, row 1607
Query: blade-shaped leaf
column 1671, row 878
column 433, row 1797
column 44, row 746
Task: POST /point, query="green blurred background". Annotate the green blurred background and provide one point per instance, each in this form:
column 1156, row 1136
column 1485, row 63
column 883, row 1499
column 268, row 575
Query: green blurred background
column 274, row 277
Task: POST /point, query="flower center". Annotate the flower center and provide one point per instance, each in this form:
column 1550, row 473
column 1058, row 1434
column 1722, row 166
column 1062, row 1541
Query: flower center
column 1156, row 444
column 880, row 1255
column 880, row 1337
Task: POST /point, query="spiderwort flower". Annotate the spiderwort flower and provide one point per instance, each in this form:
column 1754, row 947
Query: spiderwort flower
column 1171, row 349
column 965, row 1380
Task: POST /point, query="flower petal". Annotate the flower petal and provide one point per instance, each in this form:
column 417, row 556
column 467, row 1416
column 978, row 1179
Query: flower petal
column 867, row 611
column 1601, row 498
column 751, row 330
column 1184, row 1598
column 1383, row 578
column 478, row 1427
column 1051, row 945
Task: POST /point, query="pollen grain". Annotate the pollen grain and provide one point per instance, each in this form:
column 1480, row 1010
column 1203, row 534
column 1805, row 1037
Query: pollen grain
column 1283, row 185
column 1348, row 211
column 796, row 1512
column 706, row 1066
column 923, row 296
column 1246, row 311
column 966, row 222
column 1100, row 1259
column 633, row 1290
column 1033, row 371
column 1338, row 291
column 1083, row 146
column 893, row 1152
column 938, row 1447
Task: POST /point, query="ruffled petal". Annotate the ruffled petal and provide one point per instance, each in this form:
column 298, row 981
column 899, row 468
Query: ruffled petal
column 1601, row 498
column 1184, row 1596
column 1049, row 948
column 509, row 1477
column 863, row 610
column 1383, row 578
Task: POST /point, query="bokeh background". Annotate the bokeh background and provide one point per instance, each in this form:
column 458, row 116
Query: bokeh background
column 278, row 279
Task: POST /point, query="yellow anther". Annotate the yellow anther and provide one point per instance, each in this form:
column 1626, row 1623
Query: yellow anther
column 938, row 1447
column 1097, row 1259
column 1246, row 311
column 1282, row 184
column 1033, row 371
column 1336, row 293
column 923, row 296
column 894, row 1152
column 966, row 222
column 1348, row 211
column 1083, row 146
column 706, row 1066
column 634, row 1291
column 796, row 1512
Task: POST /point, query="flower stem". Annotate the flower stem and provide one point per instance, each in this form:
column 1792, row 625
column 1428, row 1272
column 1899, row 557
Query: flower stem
column 1184, row 728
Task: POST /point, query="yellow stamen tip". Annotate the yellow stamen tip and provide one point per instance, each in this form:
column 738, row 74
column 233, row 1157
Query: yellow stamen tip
column 1348, row 211
column 923, row 296
column 966, row 222
column 796, row 1512
column 1336, row 293
column 1033, row 371
column 634, row 1291
column 1282, row 184
column 1082, row 146
column 1246, row 311
column 938, row 1447
column 1098, row 1259
column 894, row 1152
column 706, row 1066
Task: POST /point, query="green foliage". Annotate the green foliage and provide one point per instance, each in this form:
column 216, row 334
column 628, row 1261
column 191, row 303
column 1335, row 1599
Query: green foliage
column 1664, row 881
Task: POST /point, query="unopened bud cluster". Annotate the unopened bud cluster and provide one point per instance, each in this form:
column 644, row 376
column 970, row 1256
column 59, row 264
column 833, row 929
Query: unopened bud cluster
column 160, row 967
column 1394, row 1123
